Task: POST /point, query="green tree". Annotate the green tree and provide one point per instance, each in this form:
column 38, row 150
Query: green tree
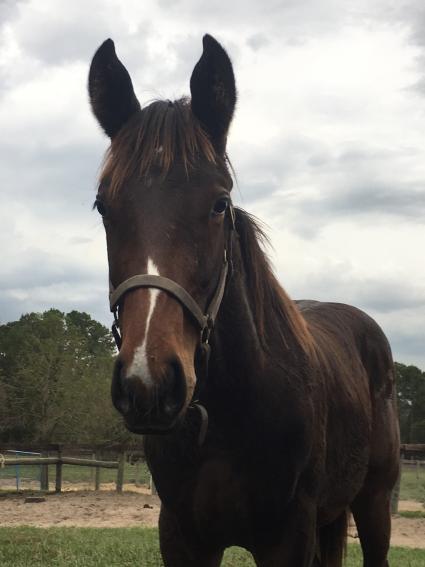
column 55, row 372
column 411, row 403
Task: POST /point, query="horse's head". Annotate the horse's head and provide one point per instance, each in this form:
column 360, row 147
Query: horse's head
column 164, row 196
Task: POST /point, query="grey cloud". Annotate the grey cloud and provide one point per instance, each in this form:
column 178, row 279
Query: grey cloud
column 307, row 187
column 43, row 269
column 257, row 41
column 374, row 199
column 9, row 10
column 43, row 279
column 51, row 180
column 64, row 38
column 412, row 13
column 93, row 300
column 272, row 170
column 379, row 295
column 290, row 21
column 408, row 348
column 396, row 304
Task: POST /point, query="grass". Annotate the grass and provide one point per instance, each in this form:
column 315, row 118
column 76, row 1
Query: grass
column 412, row 514
column 95, row 547
column 412, row 485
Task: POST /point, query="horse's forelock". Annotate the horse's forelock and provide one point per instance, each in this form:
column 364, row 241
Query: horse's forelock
column 160, row 135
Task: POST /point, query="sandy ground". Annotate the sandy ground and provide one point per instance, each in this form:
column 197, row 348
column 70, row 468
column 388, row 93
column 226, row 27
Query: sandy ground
column 406, row 532
column 108, row 509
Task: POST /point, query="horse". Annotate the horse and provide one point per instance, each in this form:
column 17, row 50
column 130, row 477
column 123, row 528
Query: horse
column 265, row 421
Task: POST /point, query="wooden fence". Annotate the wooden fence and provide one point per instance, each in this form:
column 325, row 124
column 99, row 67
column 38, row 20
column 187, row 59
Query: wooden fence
column 411, row 455
column 60, row 459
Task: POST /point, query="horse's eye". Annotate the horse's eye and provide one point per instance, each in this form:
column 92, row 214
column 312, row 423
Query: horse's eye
column 220, row 206
column 101, row 209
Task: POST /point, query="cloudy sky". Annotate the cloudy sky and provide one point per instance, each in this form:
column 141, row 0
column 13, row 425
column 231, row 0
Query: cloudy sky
column 328, row 143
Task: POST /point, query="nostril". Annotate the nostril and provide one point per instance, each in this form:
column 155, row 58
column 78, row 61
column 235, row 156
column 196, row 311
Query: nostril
column 119, row 395
column 174, row 388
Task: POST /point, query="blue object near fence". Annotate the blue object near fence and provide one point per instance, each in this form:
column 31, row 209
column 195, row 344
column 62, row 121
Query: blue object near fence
column 17, row 467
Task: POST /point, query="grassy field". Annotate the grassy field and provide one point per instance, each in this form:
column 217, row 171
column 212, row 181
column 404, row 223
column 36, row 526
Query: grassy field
column 412, row 485
column 84, row 547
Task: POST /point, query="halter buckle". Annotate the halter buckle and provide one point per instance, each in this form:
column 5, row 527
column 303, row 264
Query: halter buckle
column 116, row 330
column 206, row 331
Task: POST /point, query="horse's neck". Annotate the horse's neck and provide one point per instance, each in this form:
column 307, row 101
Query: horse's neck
column 242, row 372
column 237, row 360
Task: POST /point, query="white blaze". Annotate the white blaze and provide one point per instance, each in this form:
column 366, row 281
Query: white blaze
column 140, row 364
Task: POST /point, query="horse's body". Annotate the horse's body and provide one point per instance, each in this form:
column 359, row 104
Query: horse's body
column 290, row 447
column 300, row 397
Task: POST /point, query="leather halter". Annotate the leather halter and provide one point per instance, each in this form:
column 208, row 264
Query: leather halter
column 205, row 321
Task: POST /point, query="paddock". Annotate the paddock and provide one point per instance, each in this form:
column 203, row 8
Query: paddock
column 89, row 496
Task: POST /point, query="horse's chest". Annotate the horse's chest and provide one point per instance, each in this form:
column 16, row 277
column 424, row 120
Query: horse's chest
column 229, row 502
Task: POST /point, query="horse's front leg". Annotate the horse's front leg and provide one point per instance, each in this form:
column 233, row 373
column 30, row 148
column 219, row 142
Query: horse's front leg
column 179, row 550
column 297, row 545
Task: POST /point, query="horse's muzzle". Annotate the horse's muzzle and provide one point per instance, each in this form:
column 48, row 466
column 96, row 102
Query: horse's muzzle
column 150, row 404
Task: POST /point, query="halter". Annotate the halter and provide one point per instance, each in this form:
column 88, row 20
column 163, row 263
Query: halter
column 205, row 321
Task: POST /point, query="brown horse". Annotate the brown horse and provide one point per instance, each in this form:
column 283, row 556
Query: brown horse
column 291, row 421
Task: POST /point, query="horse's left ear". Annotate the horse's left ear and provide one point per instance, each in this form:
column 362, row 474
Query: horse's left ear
column 213, row 90
column 110, row 89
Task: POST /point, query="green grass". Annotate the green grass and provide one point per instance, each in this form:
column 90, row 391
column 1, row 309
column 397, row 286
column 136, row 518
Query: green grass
column 412, row 514
column 95, row 547
column 412, row 486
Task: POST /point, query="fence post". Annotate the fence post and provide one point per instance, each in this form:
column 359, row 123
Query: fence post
column 58, row 481
column 44, row 476
column 396, row 490
column 137, row 473
column 152, row 486
column 120, row 472
column 97, row 456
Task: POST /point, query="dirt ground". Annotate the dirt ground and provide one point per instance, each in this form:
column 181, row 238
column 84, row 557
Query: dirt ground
column 108, row 509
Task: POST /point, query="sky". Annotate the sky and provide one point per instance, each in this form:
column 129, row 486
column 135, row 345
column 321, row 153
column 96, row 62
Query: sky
column 328, row 144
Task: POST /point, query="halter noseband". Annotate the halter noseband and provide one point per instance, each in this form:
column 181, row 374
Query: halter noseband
column 205, row 321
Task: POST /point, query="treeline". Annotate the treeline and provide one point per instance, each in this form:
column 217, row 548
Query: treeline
column 411, row 403
column 55, row 375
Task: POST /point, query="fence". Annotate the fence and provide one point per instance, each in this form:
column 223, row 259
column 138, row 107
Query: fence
column 411, row 481
column 122, row 464
column 125, row 466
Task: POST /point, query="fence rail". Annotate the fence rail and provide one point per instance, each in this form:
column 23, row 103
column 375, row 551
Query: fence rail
column 412, row 456
column 61, row 460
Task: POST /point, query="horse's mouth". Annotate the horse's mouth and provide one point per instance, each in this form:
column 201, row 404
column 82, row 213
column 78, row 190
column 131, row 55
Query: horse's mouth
column 148, row 429
column 150, row 426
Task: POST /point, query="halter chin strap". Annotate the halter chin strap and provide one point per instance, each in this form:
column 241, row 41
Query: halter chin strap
column 205, row 321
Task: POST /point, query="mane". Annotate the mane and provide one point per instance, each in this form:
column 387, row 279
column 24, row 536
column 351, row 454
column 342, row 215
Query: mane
column 275, row 315
column 161, row 134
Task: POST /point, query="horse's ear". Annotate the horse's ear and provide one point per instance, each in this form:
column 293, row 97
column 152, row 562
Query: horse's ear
column 111, row 91
column 213, row 90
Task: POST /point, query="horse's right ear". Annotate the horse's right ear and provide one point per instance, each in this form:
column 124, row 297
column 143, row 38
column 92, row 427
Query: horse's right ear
column 111, row 91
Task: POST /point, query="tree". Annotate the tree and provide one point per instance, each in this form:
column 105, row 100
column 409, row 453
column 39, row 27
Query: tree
column 55, row 371
column 411, row 403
